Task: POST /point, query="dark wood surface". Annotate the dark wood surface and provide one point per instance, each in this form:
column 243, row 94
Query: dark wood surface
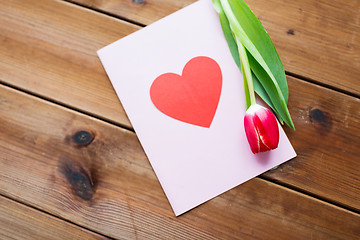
column 54, row 92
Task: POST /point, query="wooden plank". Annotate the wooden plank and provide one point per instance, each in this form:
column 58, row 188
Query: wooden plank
column 315, row 39
column 49, row 45
column 327, row 141
column 142, row 12
column 103, row 180
column 18, row 221
column 321, row 169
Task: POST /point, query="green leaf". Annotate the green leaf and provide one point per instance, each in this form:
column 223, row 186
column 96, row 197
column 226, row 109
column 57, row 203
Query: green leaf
column 273, row 91
column 259, row 89
column 232, row 46
column 249, row 30
column 225, row 25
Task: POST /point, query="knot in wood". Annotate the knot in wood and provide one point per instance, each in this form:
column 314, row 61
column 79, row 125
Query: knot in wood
column 81, row 184
column 291, row 32
column 79, row 179
column 83, row 138
column 139, row 1
column 317, row 115
column 320, row 120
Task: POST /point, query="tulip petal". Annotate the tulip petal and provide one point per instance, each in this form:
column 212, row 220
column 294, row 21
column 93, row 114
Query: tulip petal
column 251, row 133
column 267, row 128
column 261, row 128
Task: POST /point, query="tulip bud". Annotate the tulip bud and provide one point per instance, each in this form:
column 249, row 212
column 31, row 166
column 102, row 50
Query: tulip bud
column 261, row 129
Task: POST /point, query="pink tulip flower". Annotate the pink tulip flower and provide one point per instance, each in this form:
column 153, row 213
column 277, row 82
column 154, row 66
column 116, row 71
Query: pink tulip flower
column 261, row 129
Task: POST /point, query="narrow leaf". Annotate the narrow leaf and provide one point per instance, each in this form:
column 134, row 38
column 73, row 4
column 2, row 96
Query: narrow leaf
column 272, row 90
column 247, row 27
column 232, row 46
column 229, row 36
column 276, row 91
column 259, row 89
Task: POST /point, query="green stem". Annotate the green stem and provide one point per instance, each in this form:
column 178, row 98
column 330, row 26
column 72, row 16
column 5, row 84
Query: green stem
column 246, row 89
column 246, row 70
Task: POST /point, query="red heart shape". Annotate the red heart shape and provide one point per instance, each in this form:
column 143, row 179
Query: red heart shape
column 192, row 97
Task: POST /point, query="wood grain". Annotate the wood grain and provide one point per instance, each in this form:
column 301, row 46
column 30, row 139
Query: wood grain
column 315, row 39
column 96, row 174
column 46, row 46
column 142, row 12
column 51, row 45
column 43, row 63
column 21, row 222
column 327, row 141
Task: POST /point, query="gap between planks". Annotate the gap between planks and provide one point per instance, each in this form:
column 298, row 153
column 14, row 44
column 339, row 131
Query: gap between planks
column 104, row 13
column 312, row 81
column 54, row 216
column 307, row 193
column 62, row 104
column 264, row 178
column 288, row 73
column 253, row 202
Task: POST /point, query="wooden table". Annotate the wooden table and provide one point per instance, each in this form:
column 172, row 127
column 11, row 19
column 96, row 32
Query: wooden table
column 71, row 167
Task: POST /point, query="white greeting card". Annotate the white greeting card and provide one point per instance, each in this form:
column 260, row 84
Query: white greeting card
column 184, row 96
